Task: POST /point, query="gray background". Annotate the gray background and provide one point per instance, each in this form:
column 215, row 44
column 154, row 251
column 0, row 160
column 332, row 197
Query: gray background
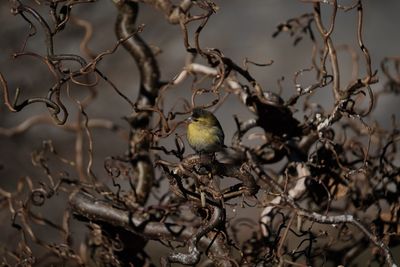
column 240, row 29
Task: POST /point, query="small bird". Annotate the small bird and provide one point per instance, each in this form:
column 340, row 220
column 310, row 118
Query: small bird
column 204, row 133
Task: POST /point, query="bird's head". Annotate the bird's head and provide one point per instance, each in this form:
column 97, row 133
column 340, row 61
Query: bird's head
column 202, row 117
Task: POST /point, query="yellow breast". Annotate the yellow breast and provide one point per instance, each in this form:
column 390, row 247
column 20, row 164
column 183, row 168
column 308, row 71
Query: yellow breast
column 203, row 138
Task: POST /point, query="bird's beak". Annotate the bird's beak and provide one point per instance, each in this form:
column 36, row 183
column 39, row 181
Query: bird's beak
column 190, row 119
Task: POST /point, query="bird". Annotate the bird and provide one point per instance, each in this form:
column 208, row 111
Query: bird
column 204, row 132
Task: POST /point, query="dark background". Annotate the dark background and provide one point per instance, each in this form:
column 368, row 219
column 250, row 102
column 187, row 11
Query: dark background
column 240, row 29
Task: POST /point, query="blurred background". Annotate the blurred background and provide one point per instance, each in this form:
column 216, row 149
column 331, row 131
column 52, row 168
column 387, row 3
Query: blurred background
column 240, row 29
